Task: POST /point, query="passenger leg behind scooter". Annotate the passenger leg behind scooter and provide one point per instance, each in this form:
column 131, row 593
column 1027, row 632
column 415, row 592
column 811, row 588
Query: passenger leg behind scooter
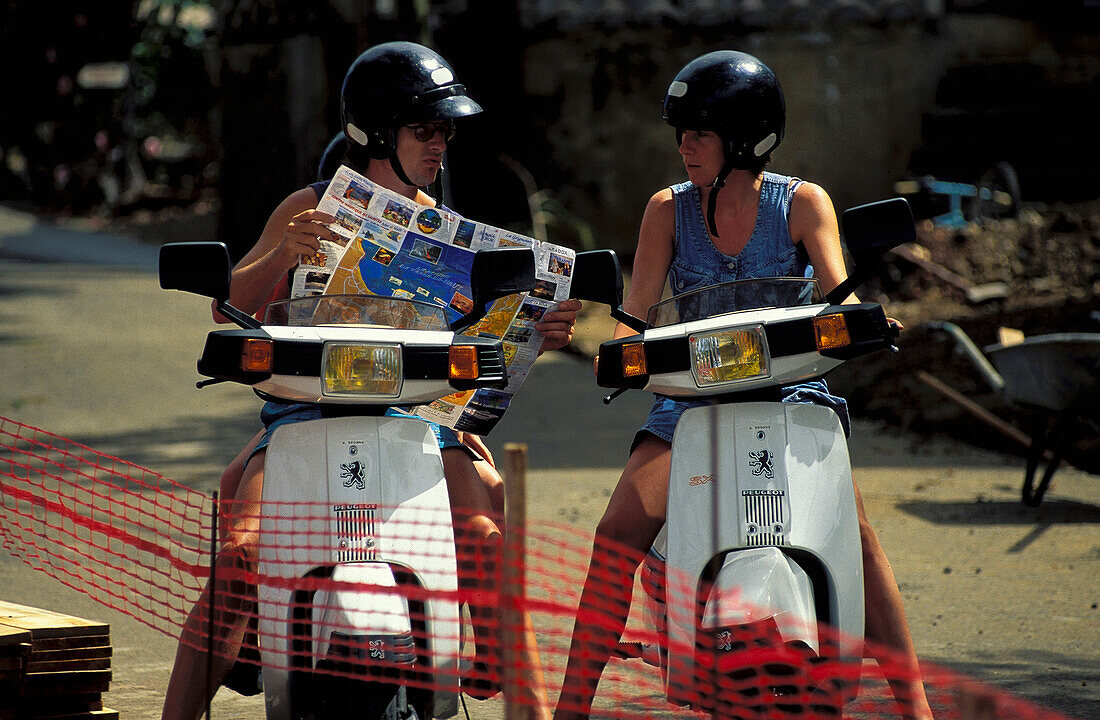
column 185, row 698
column 479, row 541
column 634, row 516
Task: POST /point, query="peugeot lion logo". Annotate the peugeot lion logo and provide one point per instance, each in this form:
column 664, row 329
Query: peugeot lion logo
column 352, row 474
column 761, row 463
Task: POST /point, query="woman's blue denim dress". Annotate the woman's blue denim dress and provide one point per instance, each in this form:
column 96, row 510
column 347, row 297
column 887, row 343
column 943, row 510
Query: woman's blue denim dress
column 696, row 263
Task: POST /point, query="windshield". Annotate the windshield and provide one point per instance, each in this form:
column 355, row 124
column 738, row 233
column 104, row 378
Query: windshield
column 736, row 296
column 357, row 310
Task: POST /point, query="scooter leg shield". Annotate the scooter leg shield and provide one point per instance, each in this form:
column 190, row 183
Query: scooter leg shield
column 342, row 492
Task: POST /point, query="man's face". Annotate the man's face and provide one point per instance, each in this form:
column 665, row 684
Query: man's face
column 420, row 148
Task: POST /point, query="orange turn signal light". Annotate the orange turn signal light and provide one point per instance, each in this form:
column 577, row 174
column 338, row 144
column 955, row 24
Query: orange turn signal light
column 634, row 360
column 462, row 363
column 831, row 332
column 256, row 355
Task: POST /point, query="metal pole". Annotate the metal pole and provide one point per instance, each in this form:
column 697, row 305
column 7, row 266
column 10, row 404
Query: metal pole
column 514, row 571
column 210, row 594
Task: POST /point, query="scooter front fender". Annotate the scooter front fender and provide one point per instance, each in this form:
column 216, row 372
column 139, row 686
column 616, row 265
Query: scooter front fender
column 758, row 584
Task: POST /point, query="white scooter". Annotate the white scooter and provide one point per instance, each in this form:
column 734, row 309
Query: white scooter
column 358, row 611
column 755, row 583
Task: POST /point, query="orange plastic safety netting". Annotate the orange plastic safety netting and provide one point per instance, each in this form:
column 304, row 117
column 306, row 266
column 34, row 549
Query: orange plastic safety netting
column 383, row 595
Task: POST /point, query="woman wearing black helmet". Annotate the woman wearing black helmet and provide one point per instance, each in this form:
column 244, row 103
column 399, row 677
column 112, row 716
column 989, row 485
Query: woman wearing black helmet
column 399, row 103
column 731, row 220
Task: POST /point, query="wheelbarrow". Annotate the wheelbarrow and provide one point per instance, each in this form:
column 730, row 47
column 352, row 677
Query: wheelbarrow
column 1056, row 378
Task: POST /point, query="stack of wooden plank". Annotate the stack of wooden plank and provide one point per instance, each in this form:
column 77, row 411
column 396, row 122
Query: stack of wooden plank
column 53, row 666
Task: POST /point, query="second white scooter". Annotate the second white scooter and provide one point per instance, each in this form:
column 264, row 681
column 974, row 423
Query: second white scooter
column 755, row 583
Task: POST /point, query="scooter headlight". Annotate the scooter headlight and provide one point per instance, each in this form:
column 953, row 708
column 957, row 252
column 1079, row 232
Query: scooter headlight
column 728, row 356
column 353, row 369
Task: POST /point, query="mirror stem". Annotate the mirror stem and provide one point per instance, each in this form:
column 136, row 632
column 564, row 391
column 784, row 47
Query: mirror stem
column 837, row 295
column 468, row 320
column 245, row 321
column 635, row 324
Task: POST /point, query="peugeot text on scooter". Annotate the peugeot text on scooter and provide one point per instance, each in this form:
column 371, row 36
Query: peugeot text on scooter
column 756, row 578
column 357, row 570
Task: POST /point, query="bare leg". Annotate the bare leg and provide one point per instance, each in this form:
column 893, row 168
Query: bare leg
column 478, row 537
column 633, row 518
column 494, row 486
column 230, row 481
column 185, row 698
column 886, row 623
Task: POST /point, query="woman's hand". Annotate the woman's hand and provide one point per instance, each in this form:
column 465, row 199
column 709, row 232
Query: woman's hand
column 557, row 325
column 302, row 238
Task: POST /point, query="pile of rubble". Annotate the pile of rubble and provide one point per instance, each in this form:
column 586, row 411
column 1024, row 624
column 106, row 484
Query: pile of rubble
column 1037, row 273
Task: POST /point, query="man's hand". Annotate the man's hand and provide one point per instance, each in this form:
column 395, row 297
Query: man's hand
column 557, row 325
column 303, row 236
column 475, row 443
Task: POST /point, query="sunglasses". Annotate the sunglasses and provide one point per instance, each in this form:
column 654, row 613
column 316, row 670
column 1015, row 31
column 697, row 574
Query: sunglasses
column 425, row 132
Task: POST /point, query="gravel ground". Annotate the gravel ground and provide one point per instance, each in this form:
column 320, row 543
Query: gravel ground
column 997, row 591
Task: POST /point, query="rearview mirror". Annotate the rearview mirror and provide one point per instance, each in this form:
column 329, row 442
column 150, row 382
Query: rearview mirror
column 202, row 268
column 496, row 273
column 870, row 231
column 597, row 276
column 873, row 229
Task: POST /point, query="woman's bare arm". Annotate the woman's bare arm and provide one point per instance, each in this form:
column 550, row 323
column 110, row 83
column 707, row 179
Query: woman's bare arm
column 656, row 239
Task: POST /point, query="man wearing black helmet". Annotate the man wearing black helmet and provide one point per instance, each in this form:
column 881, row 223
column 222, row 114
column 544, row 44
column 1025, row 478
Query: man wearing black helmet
column 728, row 111
column 399, row 104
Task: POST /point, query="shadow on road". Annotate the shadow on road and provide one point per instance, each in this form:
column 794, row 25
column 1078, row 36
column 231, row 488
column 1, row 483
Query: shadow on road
column 191, row 452
column 1065, row 683
column 559, row 413
column 1003, row 512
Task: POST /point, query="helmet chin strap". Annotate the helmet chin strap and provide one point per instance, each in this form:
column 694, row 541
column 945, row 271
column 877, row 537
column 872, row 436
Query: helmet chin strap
column 718, row 184
column 400, row 172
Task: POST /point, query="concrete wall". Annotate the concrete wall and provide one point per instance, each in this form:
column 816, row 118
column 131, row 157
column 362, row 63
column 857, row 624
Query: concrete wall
column 855, row 100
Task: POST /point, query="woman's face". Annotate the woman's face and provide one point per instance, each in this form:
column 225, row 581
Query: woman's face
column 701, row 151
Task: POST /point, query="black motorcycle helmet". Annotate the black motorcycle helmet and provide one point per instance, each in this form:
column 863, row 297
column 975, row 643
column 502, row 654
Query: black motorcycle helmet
column 333, row 157
column 395, row 84
column 736, row 96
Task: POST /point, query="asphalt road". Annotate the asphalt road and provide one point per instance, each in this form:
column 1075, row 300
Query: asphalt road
column 93, row 350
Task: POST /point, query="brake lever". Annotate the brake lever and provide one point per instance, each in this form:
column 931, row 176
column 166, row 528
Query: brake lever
column 607, row 400
column 206, row 383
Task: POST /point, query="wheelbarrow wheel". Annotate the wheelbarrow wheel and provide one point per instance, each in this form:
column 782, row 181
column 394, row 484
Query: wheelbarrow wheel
column 1001, row 187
